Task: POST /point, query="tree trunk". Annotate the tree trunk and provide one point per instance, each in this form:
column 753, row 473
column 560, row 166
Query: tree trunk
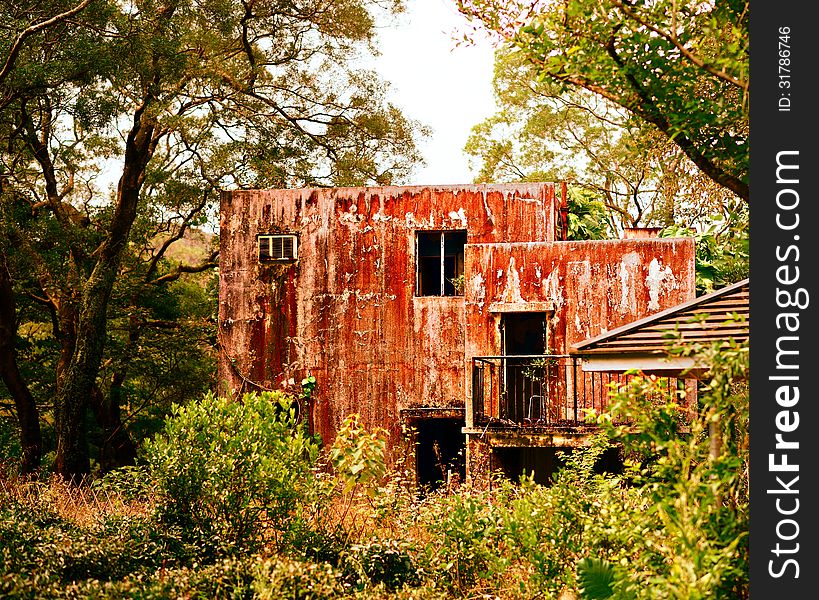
column 27, row 415
column 117, row 449
column 79, row 378
column 78, row 381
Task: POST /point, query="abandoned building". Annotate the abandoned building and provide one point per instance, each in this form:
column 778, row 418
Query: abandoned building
column 447, row 309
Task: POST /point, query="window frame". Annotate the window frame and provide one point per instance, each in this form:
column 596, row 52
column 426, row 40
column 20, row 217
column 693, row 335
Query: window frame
column 441, row 255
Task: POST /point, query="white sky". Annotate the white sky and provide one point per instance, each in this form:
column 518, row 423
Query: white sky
column 446, row 87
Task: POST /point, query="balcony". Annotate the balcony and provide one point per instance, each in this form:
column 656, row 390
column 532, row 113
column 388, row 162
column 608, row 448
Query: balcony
column 539, row 391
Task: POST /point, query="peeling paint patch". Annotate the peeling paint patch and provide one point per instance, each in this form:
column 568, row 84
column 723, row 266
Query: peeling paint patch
column 459, row 216
column 554, row 293
column 478, row 289
column 659, row 279
column 511, row 292
column 628, row 264
column 351, row 217
column 489, row 216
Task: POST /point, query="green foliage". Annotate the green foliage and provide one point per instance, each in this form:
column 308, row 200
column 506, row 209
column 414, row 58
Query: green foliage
column 543, row 526
column 464, row 552
column 673, row 524
column 229, row 578
column 595, row 577
column 675, row 65
column 358, row 456
column 308, row 384
column 693, row 485
column 286, row 578
column 545, row 132
column 42, row 553
column 644, row 104
column 588, row 218
column 382, row 562
column 721, row 249
column 234, row 475
column 119, row 126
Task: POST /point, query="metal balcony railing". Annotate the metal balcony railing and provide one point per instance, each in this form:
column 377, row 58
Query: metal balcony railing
column 539, row 390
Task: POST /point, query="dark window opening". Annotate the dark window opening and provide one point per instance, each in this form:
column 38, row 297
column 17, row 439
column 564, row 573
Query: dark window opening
column 439, row 451
column 278, row 247
column 440, row 263
column 543, row 463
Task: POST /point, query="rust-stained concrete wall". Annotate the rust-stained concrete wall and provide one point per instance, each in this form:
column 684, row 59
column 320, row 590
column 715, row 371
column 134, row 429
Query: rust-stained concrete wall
column 592, row 286
column 346, row 312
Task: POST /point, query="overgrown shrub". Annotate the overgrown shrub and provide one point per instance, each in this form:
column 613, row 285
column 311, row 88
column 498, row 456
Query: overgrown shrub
column 542, row 528
column 282, row 577
column 386, row 562
column 41, row 552
column 464, row 547
column 234, row 475
column 228, row 579
column 231, row 502
column 686, row 530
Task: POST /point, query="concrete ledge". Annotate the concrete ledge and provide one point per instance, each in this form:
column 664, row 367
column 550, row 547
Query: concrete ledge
column 517, row 307
column 569, row 437
column 433, row 412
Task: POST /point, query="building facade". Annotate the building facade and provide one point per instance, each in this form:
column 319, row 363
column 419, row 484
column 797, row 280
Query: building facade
column 433, row 307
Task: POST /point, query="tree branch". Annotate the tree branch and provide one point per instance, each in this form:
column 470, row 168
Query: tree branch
column 31, row 30
column 208, row 263
column 180, row 233
column 672, row 37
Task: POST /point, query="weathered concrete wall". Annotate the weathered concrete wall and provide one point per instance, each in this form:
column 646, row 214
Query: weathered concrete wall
column 593, row 286
column 346, row 312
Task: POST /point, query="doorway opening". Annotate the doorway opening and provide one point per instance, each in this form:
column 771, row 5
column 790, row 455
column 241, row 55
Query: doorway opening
column 439, row 451
column 523, row 334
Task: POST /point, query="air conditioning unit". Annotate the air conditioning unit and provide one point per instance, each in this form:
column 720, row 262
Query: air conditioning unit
column 279, row 248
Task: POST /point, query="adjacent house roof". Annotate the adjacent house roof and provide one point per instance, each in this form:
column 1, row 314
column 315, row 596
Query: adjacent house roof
column 713, row 317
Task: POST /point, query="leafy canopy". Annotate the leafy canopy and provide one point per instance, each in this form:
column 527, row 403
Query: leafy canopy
column 680, row 67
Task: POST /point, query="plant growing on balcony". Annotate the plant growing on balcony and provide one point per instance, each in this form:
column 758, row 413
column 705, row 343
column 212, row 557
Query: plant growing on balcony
column 540, row 368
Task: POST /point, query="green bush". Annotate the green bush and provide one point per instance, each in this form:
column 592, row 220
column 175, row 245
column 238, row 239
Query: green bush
column 680, row 527
column 464, row 551
column 386, row 562
column 230, row 503
column 40, row 553
column 282, row 577
column 229, row 579
column 543, row 527
column 234, row 475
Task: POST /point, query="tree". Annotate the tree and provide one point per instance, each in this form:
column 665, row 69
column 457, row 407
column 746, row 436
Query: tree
column 544, row 131
column 181, row 98
column 680, row 67
column 25, row 405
